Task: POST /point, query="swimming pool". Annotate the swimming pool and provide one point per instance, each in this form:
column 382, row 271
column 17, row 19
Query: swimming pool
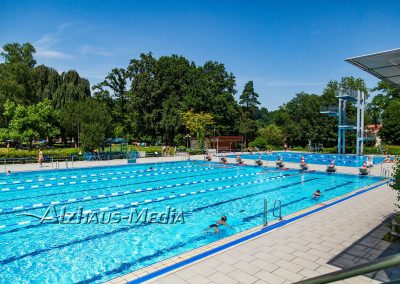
column 319, row 159
column 86, row 253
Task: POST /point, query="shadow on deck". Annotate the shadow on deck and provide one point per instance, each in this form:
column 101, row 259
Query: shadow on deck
column 368, row 248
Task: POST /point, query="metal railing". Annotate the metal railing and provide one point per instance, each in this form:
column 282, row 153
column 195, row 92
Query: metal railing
column 385, row 172
column 279, row 216
column 369, row 136
column 376, row 265
column 277, row 206
column 69, row 161
column 331, row 109
column 265, row 215
column 348, row 94
column 55, row 162
column 347, row 122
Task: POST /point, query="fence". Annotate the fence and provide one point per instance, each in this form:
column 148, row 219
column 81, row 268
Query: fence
column 68, row 161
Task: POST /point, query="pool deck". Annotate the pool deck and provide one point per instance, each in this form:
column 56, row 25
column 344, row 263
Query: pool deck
column 62, row 165
column 336, row 237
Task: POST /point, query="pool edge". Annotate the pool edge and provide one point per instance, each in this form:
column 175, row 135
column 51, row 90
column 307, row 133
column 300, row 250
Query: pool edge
column 166, row 266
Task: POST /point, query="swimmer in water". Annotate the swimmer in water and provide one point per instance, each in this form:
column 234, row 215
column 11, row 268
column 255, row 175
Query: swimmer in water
column 221, row 222
column 316, row 194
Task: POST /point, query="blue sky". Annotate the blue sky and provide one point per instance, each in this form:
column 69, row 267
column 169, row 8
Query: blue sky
column 284, row 47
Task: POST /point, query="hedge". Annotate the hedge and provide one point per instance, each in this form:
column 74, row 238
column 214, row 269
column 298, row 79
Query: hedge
column 55, row 153
column 391, row 150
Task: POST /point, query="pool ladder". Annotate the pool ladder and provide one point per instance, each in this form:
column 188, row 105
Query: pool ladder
column 277, row 206
column 385, row 172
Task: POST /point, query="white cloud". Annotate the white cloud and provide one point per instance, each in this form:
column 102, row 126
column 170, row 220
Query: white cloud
column 89, row 49
column 48, row 45
column 288, row 83
column 52, row 54
column 267, row 81
column 44, row 46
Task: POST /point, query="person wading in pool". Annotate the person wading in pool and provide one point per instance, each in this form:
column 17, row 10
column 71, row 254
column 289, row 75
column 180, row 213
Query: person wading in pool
column 221, row 222
column 316, row 194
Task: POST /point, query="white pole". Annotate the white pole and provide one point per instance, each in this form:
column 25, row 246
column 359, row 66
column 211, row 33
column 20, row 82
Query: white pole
column 358, row 122
column 339, row 129
column 344, row 121
column 362, row 122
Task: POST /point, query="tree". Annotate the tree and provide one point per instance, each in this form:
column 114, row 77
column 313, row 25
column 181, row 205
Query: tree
column 72, row 88
column 34, row 122
column 379, row 103
column 273, row 135
column 262, row 116
column 144, row 105
column 16, row 53
column 47, row 81
column 163, row 88
column 197, row 124
column 376, row 107
column 247, row 127
column 17, row 78
column 259, row 142
column 390, row 91
column 219, row 90
column 93, row 125
column 249, row 98
column 391, row 123
column 115, row 86
column 351, row 83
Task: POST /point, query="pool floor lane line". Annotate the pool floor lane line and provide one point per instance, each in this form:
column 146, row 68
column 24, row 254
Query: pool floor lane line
column 128, row 228
column 282, row 223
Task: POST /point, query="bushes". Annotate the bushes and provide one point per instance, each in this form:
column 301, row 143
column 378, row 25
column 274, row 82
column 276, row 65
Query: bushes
column 259, row 142
column 393, row 150
column 196, row 151
column 55, row 153
column 395, row 184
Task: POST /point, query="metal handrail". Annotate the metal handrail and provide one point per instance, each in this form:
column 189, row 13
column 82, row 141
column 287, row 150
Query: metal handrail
column 265, row 215
column 331, row 109
column 375, row 265
column 385, row 172
column 280, row 209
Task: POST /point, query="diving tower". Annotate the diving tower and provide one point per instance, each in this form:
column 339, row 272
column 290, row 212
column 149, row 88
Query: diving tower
column 345, row 124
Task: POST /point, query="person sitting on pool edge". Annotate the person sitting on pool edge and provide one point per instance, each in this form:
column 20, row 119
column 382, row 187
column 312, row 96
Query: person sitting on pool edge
column 387, row 159
column 221, row 222
column 316, row 194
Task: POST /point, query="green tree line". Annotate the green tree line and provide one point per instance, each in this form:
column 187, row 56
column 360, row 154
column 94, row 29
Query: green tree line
column 151, row 98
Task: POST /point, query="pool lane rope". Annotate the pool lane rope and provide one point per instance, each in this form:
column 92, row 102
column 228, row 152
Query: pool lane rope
column 47, row 185
column 114, row 194
column 148, row 201
column 16, row 182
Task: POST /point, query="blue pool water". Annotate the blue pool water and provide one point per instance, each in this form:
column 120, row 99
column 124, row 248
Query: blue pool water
column 319, row 159
column 90, row 253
